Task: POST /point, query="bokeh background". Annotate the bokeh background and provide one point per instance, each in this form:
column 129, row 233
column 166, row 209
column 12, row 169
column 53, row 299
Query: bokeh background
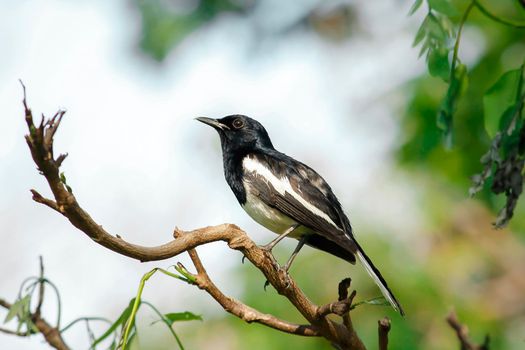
column 337, row 85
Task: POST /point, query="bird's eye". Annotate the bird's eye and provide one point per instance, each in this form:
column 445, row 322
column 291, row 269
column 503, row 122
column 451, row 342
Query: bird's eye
column 238, row 123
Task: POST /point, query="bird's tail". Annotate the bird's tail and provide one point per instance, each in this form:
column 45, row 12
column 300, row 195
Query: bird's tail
column 378, row 279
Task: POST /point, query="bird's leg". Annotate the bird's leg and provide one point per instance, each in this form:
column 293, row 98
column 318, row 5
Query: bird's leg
column 286, row 266
column 268, row 247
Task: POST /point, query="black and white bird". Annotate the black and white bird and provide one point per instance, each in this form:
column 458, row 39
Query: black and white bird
column 286, row 196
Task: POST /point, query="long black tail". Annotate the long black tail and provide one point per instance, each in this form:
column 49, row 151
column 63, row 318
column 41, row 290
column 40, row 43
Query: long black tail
column 378, row 279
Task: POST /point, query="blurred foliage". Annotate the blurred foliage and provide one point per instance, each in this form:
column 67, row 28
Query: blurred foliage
column 475, row 103
column 165, row 23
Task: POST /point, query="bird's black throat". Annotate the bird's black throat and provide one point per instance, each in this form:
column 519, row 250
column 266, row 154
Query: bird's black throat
column 233, row 172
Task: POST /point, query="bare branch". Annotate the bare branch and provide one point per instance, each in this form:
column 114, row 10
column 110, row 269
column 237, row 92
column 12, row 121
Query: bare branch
column 237, row 308
column 37, row 197
column 341, row 307
column 18, row 334
column 383, row 327
column 462, row 334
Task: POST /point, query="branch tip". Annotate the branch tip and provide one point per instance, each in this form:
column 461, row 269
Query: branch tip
column 383, row 327
column 177, row 232
column 343, row 287
column 60, row 159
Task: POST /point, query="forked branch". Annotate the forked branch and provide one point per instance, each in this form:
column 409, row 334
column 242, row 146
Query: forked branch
column 462, row 334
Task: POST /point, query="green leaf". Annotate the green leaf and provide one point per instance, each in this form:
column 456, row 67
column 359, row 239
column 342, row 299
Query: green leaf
column 415, row 7
column 443, row 6
column 500, row 98
column 457, row 86
column 171, row 318
column 122, row 319
column 421, row 32
column 436, row 31
column 438, row 64
column 182, row 316
column 167, row 322
column 13, row 311
column 19, row 308
column 378, row 301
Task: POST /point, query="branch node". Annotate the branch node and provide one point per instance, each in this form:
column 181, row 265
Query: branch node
column 60, row 159
column 37, row 197
column 342, row 306
column 177, row 232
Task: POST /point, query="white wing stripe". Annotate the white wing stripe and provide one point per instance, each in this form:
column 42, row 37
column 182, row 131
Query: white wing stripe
column 282, row 185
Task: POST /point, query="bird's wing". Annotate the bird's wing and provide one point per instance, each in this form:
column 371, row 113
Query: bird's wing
column 300, row 193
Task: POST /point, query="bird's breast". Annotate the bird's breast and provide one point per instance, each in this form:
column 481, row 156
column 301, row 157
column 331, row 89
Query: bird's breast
column 267, row 216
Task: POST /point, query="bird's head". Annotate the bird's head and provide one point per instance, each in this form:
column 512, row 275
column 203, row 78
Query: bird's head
column 239, row 133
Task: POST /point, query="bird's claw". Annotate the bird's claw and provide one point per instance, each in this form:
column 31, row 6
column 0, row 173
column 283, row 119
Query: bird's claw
column 266, row 284
column 267, row 248
column 286, row 277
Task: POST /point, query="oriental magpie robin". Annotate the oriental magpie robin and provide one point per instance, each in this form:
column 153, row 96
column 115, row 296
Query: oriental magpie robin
column 286, row 196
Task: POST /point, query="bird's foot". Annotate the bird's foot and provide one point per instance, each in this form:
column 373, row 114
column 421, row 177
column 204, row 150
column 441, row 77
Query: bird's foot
column 285, row 276
column 267, row 247
column 266, row 284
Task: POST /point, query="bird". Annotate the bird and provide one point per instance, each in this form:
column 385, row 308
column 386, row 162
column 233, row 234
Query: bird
column 287, row 196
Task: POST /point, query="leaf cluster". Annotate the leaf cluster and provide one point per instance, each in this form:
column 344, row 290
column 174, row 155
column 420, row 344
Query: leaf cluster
column 503, row 162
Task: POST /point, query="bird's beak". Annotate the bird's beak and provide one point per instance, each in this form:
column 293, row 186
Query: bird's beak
column 213, row 123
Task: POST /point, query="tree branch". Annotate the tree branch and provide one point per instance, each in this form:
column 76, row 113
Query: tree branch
column 237, row 308
column 40, row 142
column 383, row 327
column 462, row 334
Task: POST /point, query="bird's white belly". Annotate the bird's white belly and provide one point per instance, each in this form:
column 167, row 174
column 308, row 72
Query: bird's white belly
column 269, row 217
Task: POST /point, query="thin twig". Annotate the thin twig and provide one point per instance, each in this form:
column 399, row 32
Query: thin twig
column 341, row 307
column 462, row 334
column 41, row 285
column 383, row 327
